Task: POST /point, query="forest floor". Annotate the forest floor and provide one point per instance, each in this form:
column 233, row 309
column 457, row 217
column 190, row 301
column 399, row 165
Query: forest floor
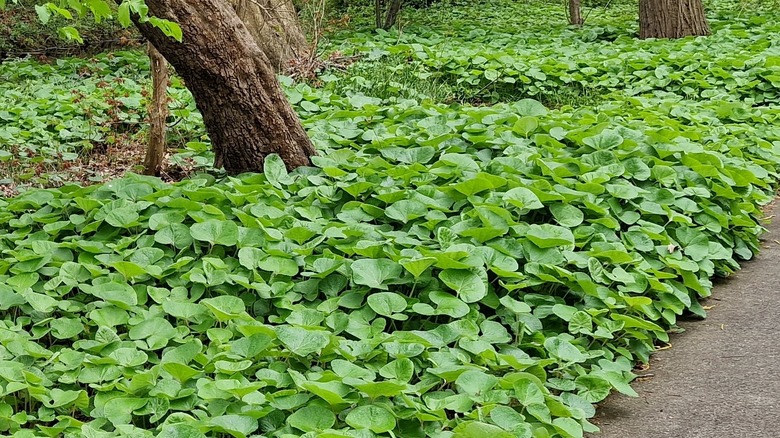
column 720, row 377
column 506, row 219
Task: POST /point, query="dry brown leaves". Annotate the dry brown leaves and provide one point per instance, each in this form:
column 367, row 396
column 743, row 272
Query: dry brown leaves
column 309, row 67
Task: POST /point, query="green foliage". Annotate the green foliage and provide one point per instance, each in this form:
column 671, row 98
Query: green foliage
column 98, row 10
column 393, row 77
column 425, row 62
column 498, row 285
column 56, row 118
column 22, row 32
column 510, row 53
column 443, row 270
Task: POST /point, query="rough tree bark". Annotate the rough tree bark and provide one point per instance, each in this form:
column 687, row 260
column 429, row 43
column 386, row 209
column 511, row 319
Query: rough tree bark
column 275, row 27
column 158, row 113
column 378, row 10
column 672, row 18
column 392, row 14
column 386, row 19
column 575, row 13
column 244, row 108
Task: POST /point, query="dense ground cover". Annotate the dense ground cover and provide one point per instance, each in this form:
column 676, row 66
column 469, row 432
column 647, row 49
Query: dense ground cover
column 489, row 59
column 77, row 119
column 444, row 269
column 22, row 32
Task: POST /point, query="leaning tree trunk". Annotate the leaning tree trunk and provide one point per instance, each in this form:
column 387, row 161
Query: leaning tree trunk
column 575, row 13
column 672, row 18
column 244, row 108
column 275, row 27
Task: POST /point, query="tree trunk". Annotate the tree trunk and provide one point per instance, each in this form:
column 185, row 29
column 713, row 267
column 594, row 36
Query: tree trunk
column 392, row 14
column 386, row 19
column 672, row 18
column 158, row 113
column 575, row 13
column 244, row 108
column 379, row 6
column 275, row 27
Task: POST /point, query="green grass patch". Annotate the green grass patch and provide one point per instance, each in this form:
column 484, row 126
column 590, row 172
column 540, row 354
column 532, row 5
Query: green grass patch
column 391, row 79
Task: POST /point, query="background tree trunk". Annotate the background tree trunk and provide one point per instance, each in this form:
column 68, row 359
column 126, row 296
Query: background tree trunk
column 158, row 113
column 672, row 18
column 244, row 108
column 386, row 19
column 379, row 9
column 392, row 14
column 275, row 27
column 575, row 13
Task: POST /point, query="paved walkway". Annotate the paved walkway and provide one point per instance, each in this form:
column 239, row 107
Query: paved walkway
column 721, row 379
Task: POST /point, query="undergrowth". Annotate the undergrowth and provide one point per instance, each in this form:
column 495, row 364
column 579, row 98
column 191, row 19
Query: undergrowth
column 394, row 77
column 442, row 271
column 82, row 119
column 739, row 61
column 22, row 33
column 448, row 267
